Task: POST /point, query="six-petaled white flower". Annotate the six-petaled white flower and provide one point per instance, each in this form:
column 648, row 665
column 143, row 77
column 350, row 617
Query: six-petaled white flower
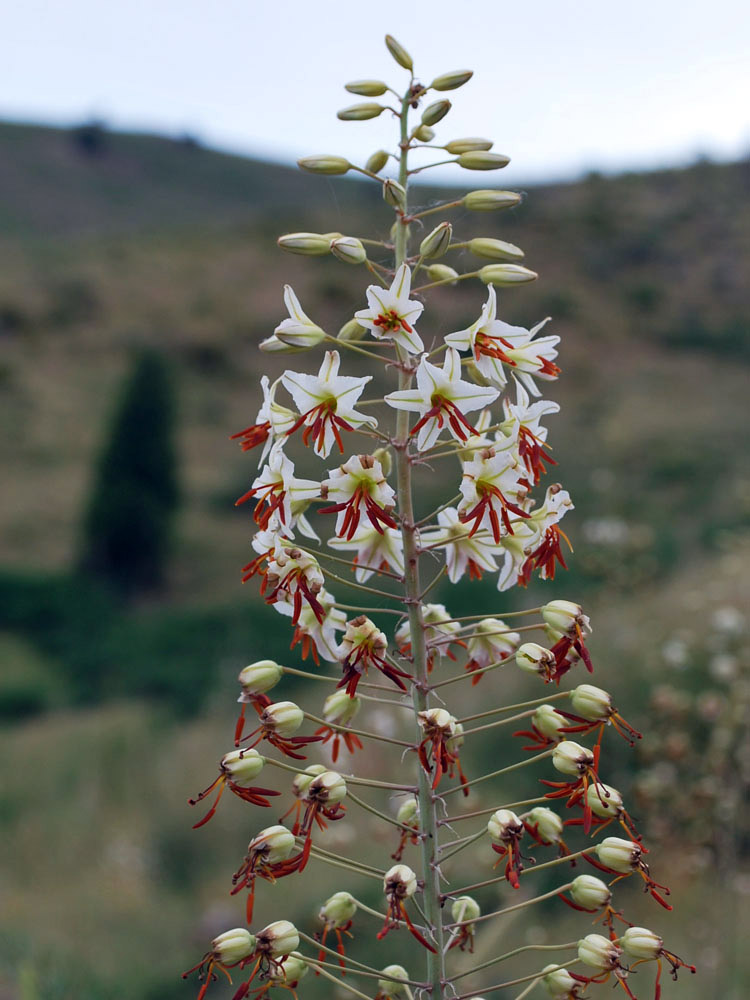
column 277, row 490
column 391, row 314
column 491, row 488
column 375, row 550
column 359, row 483
column 272, row 422
column 462, row 549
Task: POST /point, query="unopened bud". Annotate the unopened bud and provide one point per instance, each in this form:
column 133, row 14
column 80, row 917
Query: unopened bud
column 324, row 164
column 394, row 194
column 618, row 854
column 435, row 112
column 490, row 201
column 304, row 779
column 468, row 145
column 503, row 826
column 481, row 159
column 233, row 946
column 398, row 52
column 558, row 982
column 360, row 112
column 506, row 274
column 290, row 971
column 338, row 909
column 340, row 708
column 534, row 659
column 242, row 767
column 453, row 80
column 571, row 758
column 352, row 331
column 566, row 617
column 258, row 677
column 349, row 249
column 275, row 843
column 548, row 721
column 284, row 717
column 328, row 787
column 437, row 242
column 309, row 244
column 279, row 938
column 441, row 272
column 383, row 455
column 590, row 892
column 393, row 985
column 377, row 161
column 603, row 800
column 424, row 133
column 547, row 824
column 366, row 88
column 598, row 952
column 591, row 703
column 495, row 249
column 408, row 813
column 464, row 908
column 640, row 942
column 400, row 881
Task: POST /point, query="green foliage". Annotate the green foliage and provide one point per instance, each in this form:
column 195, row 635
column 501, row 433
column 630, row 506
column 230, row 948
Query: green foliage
column 128, row 522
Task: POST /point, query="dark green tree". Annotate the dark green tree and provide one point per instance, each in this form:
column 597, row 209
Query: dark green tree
column 127, row 526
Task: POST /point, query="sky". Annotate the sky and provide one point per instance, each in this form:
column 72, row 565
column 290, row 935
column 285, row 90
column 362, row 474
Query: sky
column 563, row 87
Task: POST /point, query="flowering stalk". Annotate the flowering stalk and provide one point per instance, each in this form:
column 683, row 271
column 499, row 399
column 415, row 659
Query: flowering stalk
column 475, row 409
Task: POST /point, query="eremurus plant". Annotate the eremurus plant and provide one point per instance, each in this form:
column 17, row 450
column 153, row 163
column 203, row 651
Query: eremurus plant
column 471, row 401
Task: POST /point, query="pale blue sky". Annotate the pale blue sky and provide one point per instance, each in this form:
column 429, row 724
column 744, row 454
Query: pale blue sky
column 561, row 86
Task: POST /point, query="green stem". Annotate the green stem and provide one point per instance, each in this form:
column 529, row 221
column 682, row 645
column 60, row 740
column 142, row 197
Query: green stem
column 517, row 951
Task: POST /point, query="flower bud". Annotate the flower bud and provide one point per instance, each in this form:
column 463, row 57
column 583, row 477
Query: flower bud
column 352, row 331
column 441, row 272
column 435, row 112
column 506, row 274
column 324, row 164
column 590, row 892
column 548, row 721
column 349, row 249
column 377, row 161
column 534, row 659
column 290, row 971
column 242, row 767
column 571, row 758
column 558, row 982
column 453, row 80
column 640, row 942
column 360, row 112
column 309, row 244
column 468, row 145
column 339, row 708
column 598, row 952
column 329, row 787
column 618, row 854
column 279, row 938
column 393, row 985
column 603, row 800
column 304, row 779
column 408, row 813
column 490, row 201
column 275, row 843
column 383, row 455
column 284, row 717
column 394, row 193
column 495, row 249
column 401, row 881
column 258, row 677
column 565, row 617
column 232, row 946
column 437, row 242
column 338, row 909
column 366, row 88
column 424, row 133
column 504, row 826
column 398, row 52
column 481, row 159
column 591, row 703
column 549, row 826
column 464, row 908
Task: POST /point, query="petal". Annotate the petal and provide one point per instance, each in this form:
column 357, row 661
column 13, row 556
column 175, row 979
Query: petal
column 401, row 286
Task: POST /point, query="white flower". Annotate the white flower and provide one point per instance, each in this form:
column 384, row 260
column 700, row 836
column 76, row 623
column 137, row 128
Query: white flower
column 358, row 483
column 376, row 549
column 272, row 422
column 326, row 403
column 491, row 642
column 462, row 550
column 293, row 575
column 298, row 330
column 523, row 424
column 442, row 397
column 391, row 314
column 489, row 482
column 279, row 489
column 314, row 636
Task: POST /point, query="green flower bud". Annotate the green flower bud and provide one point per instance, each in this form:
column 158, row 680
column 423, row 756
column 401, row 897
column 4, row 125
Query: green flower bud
column 258, row 677
column 490, row 201
column 549, row 826
column 339, row 708
column 590, row 892
column 304, row 779
column 640, row 942
column 377, row 161
column 441, row 272
column 338, row 909
column 393, row 985
column 360, row 112
column 324, row 164
column 480, row 159
column 558, row 982
column 598, row 952
column 603, row 800
column 424, row 133
column 349, row 249
column 399, row 53
column 437, row 242
column 435, row 112
column 290, row 971
column 242, row 767
column 232, row 946
column 464, row 908
column 469, row 145
column 275, row 843
column 592, row 703
column 534, row 659
column 495, row 249
column 284, row 717
column 571, row 758
column 366, row 88
column 452, row 81
column 352, row 331
column 408, row 813
column 506, row 274
column 309, row 244
column 278, row 938
column 329, row 787
column 383, row 455
column 618, row 854
column 394, row 194
column 548, row 721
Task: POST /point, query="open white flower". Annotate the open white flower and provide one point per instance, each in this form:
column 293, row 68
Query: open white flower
column 326, row 404
column 442, row 398
column 277, row 491
column 375, row 550
column 316, row 637
column 462, row 549
column 523, row 424
column 272, row 422
column 359, row 483
column 391, row 314
column 491, row 488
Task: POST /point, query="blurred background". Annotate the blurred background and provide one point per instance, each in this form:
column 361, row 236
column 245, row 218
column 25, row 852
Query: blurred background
column 146, row 169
